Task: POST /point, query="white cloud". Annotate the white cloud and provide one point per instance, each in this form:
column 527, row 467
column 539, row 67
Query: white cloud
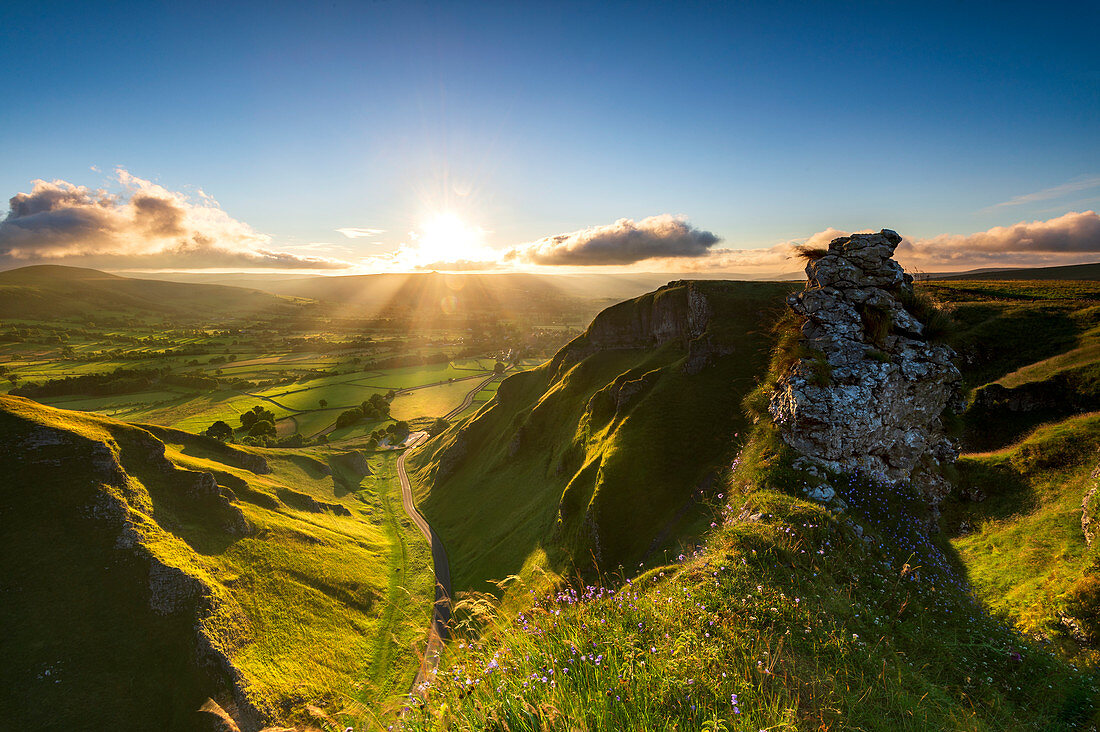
column 1078, row 184
column 355, row 232
column 145, row 225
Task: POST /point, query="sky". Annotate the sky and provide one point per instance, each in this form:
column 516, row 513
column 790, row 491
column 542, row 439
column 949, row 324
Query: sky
column 400, row 136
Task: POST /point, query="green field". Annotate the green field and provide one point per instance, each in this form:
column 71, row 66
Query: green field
column 433, row 401
column 418, row 375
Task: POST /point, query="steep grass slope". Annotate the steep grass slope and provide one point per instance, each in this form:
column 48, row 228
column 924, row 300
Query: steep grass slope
column 1030, row 353
column 1017, row 523
column 787, row 618
column 146, row 570
column 596, row 458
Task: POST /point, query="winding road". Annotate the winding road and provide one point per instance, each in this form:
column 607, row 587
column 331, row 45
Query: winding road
column 441, row 610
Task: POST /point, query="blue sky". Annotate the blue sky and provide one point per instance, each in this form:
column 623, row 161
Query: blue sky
column 761, row 123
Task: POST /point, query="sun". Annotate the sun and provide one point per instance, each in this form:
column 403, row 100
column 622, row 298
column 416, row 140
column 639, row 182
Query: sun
column 446, row 238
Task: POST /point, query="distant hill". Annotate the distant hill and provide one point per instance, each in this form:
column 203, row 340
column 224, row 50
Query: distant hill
column 1066, row 272
column 53, row 291
column 375, row 291
column 426, row 297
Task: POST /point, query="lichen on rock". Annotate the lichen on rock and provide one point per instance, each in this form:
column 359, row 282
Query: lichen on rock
column 868, row 389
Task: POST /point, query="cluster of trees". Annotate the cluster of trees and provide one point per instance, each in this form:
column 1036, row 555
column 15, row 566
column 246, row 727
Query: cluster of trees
column 259, row 422
column 256, row 422
column 372, row 410
column 119, row 381
column 395, row 431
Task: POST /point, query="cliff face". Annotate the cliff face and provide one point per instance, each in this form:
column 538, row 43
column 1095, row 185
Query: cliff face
column 869, row 389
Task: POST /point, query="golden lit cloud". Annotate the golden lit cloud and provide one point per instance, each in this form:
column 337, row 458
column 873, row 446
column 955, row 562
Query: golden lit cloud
column 144, row 226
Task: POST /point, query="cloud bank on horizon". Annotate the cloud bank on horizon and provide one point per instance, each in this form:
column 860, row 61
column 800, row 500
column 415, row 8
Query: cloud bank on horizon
column 150, row 227
column 147, row 226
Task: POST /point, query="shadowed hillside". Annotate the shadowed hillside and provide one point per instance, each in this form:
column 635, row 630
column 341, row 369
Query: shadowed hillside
column 147, row 573
column 597, row 458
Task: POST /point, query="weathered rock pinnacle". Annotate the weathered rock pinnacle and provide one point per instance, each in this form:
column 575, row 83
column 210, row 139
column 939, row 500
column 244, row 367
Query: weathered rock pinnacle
column 868, row 392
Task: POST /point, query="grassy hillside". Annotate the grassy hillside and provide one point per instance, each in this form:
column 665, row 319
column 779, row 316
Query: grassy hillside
column 598, row 457
column 146, row 570
column 1066, row 272
column 1022, row 541
column 787, row 616
column 1030, row 355
column 42, row 292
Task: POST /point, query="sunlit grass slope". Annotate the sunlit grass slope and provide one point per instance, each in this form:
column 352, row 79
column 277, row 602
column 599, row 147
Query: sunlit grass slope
column 131, row 593
column 596, row 457
column 1023, row 543
column 786, row 618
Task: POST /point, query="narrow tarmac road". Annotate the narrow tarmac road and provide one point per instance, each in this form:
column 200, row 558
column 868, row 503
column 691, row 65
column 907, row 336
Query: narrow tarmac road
column 441, row 610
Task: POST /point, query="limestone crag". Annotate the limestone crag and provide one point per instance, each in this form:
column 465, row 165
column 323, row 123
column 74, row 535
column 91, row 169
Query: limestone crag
column 868, row 390
column 678, row 311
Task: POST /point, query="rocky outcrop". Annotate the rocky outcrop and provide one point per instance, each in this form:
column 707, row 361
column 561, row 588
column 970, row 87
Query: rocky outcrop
column 868, row 388
column 679, row 311
column 1090, row 508
column 353, row 460
column 306, row 502
column 204, row 490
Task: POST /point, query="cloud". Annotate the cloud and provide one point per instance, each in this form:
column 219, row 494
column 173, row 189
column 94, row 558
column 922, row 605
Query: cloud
column 1072, row 238
column 1079, row 184
column 623, row 242
column 355, row 232
column 145, row 226
column 1067, row 239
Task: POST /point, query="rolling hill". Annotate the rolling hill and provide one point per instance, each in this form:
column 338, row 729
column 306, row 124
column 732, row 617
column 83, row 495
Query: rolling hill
column 43, row 292
column 1065, row 272
column 153, row 579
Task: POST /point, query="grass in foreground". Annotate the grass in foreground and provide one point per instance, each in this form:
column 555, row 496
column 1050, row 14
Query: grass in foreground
column 785, row 619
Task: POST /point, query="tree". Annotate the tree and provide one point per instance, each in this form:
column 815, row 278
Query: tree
column 498, row 367
column 438, row 426
column 323, row 403
column 256, row 414
column 262, row 428
column 219, row 430
column 349, row 417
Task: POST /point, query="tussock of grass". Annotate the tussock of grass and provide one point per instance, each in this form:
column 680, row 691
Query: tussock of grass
column 809, row 253
column 877, row 323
